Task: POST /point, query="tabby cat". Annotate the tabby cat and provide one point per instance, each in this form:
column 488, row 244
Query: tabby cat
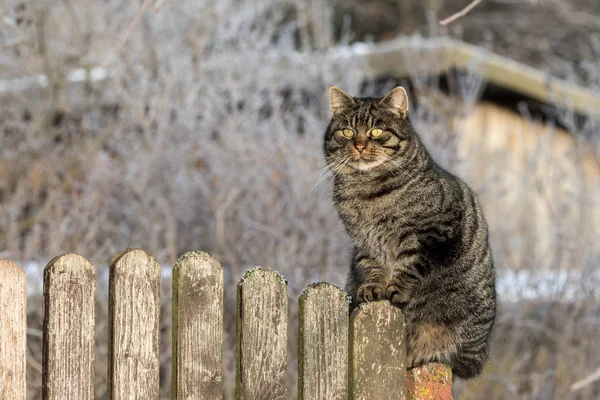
column 420, row 238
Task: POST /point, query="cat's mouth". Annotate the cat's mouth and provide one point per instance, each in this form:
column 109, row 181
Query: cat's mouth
column 363, row 163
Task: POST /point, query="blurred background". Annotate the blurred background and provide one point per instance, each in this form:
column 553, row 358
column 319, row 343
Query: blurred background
column 197, row 125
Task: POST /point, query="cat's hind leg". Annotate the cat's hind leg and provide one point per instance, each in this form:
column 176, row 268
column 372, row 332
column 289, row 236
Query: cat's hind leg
column 431, row 342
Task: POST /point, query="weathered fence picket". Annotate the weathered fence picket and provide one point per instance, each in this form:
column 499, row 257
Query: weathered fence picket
column 432, row 381
column 261, row 336
column 340, row 355
column 69, row 329
column 323, row 343
column 378, row 352
column 134, row 317
column 197, row 328
column 13, row 331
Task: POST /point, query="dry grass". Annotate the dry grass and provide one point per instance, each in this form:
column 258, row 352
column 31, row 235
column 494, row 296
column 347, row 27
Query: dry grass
column 200, row 141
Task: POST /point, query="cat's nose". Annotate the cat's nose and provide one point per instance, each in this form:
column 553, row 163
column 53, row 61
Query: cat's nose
column 359, row 147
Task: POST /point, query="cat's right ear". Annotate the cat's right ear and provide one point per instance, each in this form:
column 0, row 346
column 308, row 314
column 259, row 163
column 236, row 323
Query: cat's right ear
column 339, row 100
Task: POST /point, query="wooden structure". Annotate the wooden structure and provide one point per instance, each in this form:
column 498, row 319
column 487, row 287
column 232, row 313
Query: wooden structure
column 340, row 356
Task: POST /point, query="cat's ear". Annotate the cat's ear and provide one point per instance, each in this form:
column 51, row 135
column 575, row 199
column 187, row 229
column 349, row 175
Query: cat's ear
column 397, row 101
column 339, row 100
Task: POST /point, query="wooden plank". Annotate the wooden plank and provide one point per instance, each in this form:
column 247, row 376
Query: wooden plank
column 134, row 317
column 13, row 331
column 404, row 58
column 261, row 336
column 69, row 329
column 323, row 343
column 431, row 381
column 378, row 352
column 197, row 328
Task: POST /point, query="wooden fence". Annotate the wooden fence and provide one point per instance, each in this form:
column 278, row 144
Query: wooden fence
column 341, row 356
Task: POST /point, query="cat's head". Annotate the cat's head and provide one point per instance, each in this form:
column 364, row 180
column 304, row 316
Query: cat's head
column 369, row 134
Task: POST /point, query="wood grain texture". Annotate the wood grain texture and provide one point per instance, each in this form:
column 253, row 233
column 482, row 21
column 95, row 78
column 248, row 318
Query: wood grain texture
column 261, row 336
column 13, row 331
column 134, row 311
column 69, row 330
column 378, row 352
column 197, row 328
column 323, row 343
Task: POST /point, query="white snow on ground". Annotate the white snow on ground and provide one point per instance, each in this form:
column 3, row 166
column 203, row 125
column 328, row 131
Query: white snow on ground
column 78, row 75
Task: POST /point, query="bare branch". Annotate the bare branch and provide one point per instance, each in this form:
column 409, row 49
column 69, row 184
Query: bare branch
column 157, row 5
column 461, row 13
column 135, row 23
column 588, row 380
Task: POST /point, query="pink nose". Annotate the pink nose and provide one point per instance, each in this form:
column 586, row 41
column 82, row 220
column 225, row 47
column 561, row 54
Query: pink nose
column 360, row 148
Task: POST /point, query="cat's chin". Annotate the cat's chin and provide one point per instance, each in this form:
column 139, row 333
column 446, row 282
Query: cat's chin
column 362, row 165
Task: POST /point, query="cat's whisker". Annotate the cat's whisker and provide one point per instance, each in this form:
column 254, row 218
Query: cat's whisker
column 338, row 169
column 331, row 170
column 321, row 177
column 322, row 170
column 318, row 172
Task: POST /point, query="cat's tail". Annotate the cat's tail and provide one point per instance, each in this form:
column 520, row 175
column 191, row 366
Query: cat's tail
column 469, row 363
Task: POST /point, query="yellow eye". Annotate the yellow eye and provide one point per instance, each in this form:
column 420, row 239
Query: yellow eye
column 349, row 133
column 376, row 132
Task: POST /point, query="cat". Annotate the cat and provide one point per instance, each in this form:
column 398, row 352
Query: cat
column 420, row 238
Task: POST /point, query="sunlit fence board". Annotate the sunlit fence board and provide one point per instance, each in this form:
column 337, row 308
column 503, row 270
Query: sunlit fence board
column 134, row 311
column 378, row 352
column 13, row 331
column 197, row 328
column 69, row 329
column 262, row 336
column 323, row 343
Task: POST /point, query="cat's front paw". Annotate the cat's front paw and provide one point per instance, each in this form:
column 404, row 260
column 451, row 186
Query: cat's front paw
column 396, row 296
column 370, row 292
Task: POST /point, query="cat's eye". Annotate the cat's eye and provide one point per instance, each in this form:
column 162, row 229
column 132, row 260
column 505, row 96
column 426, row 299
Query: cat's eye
column 349, row 133
column 376, row 132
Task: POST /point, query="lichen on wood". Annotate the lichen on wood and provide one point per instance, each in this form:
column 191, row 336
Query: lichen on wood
column 431, row 381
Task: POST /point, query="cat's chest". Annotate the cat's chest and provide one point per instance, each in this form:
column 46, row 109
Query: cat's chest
column 359, row 214
column 366, row 223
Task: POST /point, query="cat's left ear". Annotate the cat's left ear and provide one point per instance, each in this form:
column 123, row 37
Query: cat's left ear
column 339, row 100
column 397, row 101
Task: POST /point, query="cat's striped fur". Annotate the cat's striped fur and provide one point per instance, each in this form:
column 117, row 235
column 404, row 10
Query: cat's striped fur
column 419, row 234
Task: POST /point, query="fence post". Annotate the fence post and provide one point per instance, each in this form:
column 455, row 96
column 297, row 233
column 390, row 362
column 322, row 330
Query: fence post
column 197, row 327
column 133, row 327
column 429, row 382
column 377, row 352
column 13, row 331
column 261, row 359
column 69, row 329
column 323, row 343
